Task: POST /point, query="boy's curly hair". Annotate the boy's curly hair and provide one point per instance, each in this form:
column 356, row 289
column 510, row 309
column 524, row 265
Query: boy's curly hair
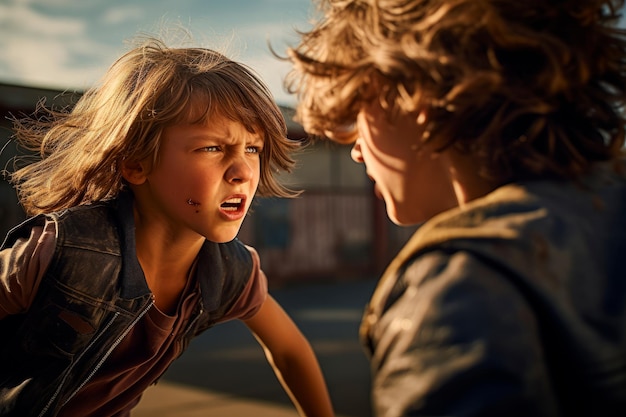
column 536, row 87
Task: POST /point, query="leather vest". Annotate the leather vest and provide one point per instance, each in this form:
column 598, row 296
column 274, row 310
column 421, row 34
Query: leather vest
column 90, row 297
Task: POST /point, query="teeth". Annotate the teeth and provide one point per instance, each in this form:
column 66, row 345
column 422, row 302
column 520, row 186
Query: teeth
column 232, row 204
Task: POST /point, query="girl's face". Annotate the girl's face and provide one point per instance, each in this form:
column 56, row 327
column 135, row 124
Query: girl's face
column 205, row 178
column 413, row 181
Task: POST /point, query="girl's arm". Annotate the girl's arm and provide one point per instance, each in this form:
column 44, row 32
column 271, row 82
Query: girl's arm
column 292, row 359
column 21, row 268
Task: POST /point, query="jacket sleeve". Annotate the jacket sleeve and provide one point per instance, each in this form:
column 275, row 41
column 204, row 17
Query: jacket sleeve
column 456, row 338
column 21, row 268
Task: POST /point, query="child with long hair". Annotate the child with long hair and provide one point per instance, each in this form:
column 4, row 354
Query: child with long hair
column 498, row 127
column 131, row 251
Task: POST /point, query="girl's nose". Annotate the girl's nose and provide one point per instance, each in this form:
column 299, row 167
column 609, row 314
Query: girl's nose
column 240, row 170
column 355, row 153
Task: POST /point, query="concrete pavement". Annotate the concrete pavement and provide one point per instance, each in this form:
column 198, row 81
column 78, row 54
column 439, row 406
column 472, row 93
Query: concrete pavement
column 174, row 400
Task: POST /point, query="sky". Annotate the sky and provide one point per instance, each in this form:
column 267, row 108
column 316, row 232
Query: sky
column 69, row 44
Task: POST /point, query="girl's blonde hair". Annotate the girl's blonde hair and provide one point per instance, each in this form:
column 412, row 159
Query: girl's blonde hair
column 148, row 88
column 535, row 87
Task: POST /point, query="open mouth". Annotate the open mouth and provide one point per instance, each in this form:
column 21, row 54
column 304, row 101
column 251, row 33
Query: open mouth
column 377, row 192
column 232, row 204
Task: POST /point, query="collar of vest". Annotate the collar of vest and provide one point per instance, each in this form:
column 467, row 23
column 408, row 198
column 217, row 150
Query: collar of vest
column 137, row 286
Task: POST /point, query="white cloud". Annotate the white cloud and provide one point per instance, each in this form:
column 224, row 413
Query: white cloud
column 68, row 44
column 120, row 14
column 19, row 16
column 49, row 51
column 51, row 63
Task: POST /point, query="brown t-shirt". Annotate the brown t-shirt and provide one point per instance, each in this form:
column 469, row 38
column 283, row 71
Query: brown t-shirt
column 146, row 351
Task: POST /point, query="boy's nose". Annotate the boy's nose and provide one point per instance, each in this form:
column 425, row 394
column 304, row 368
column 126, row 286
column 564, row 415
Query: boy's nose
column 355, row 153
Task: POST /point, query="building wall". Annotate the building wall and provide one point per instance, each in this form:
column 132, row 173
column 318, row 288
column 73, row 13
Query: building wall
column 337, row 228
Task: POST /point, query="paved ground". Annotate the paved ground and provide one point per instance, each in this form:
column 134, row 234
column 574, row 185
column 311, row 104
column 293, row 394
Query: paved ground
column 224, row 372
column 173, row 400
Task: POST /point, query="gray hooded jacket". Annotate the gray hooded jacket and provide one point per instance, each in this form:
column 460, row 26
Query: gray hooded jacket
column 514, row 305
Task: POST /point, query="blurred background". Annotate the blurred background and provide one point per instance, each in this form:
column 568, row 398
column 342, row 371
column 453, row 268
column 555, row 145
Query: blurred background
column 321, row 252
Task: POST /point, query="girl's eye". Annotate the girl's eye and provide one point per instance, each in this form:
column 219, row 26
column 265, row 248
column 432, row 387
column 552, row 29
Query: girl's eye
column 211, row 149
column 253, row 149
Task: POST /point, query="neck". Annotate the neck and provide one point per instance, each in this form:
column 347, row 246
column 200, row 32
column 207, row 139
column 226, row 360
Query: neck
column 465, row 177
column 166, row 258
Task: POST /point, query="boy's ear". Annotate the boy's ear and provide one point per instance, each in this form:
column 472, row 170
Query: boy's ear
column 134, row 172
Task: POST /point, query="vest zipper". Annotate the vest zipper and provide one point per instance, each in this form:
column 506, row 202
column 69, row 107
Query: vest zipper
column 183, row 339
column 104, row 358
column 194, row 321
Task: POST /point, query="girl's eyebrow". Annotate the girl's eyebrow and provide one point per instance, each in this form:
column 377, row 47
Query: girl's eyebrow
column 227, row 138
